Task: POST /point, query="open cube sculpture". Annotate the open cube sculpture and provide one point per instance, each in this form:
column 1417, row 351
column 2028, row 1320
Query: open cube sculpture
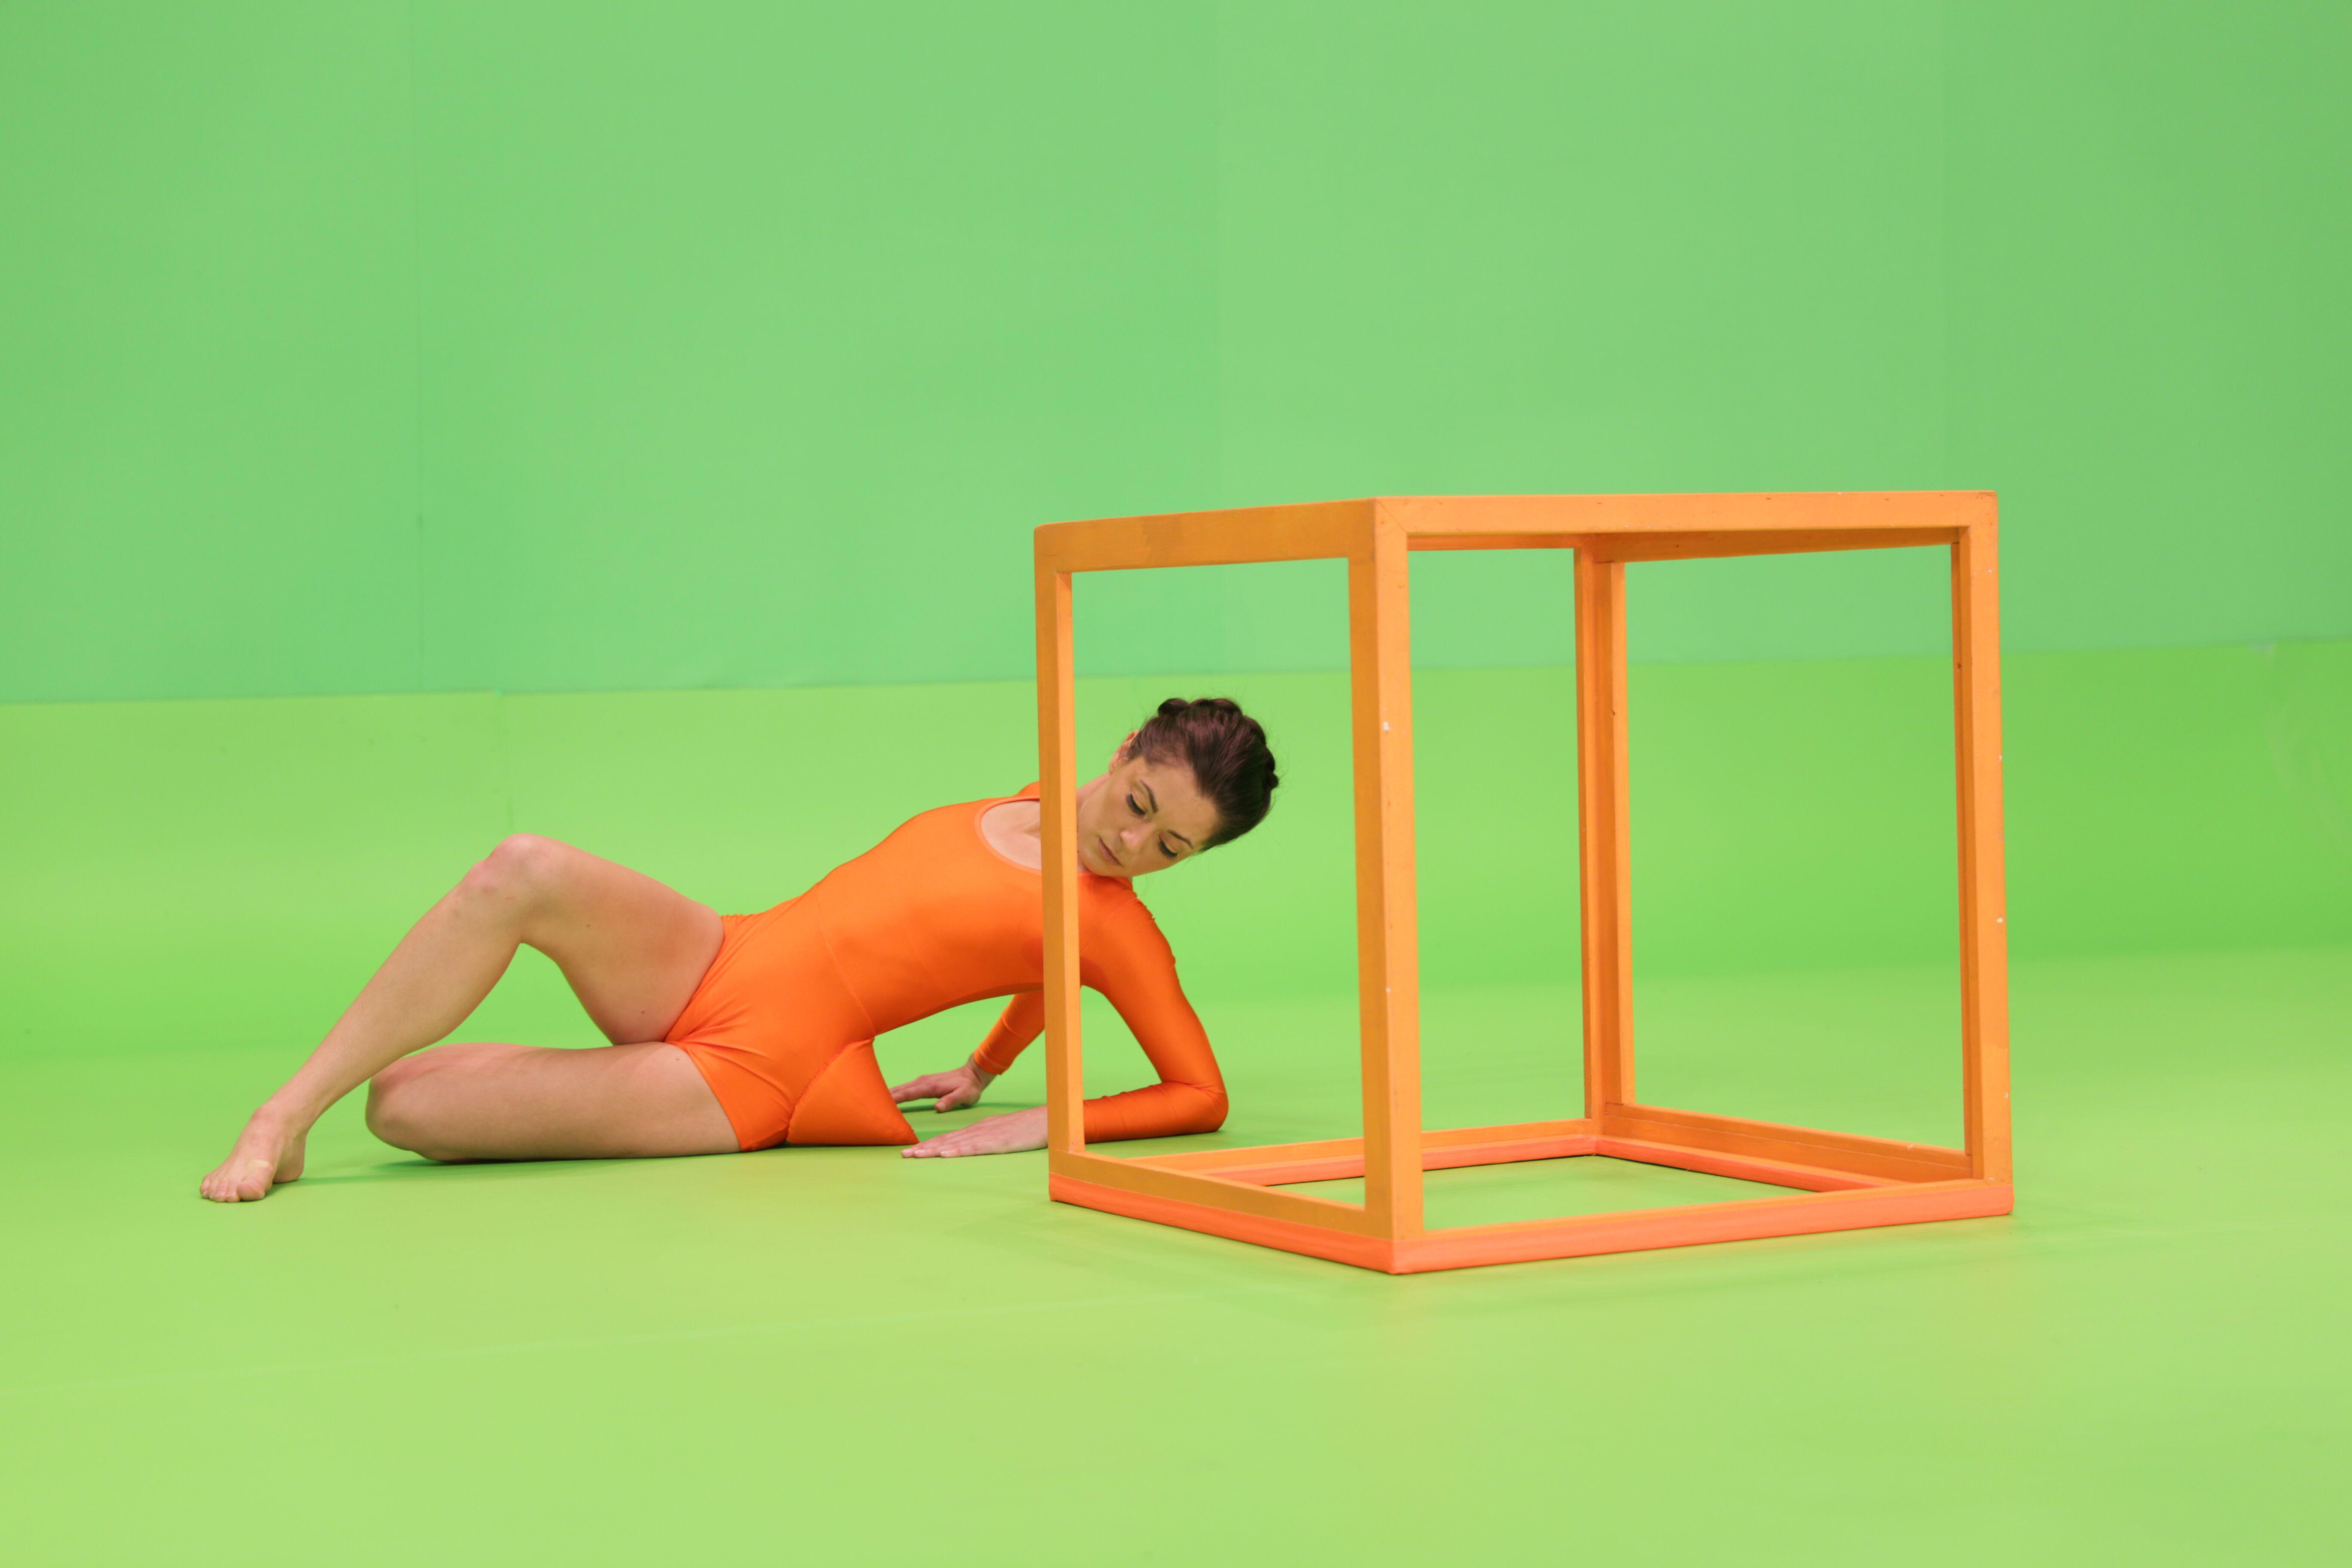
column 1838, row 1181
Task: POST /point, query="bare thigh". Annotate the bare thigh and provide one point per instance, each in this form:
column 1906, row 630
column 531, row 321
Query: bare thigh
column 632, row 949
column 488, row 1101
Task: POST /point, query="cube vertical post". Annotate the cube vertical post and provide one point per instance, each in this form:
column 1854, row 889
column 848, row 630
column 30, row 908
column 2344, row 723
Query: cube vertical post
column 1388, row 976
column 1984, row 919
column 1604, row 833
column 1057, row 795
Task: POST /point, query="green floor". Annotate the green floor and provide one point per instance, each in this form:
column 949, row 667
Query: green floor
column 837, row 1356
column 841, row 1356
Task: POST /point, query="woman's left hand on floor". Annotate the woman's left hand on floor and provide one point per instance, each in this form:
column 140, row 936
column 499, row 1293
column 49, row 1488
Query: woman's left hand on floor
column 1007, row 1134
column 950, row 1090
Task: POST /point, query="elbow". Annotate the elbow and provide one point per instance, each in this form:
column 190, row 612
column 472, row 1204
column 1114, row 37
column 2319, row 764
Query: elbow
column 1210, row 1114
column 1166, row 1109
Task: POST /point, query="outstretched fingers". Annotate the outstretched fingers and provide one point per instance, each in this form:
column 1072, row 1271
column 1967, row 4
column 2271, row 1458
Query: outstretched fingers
column 1010, row 1133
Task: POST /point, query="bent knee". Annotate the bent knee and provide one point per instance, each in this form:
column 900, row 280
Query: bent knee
column 396, row 1109
column 523, row 868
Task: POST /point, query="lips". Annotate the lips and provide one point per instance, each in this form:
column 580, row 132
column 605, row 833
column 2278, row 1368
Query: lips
column 1103, row 850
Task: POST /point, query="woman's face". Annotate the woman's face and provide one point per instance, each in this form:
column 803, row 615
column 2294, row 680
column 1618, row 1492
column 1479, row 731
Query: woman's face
column 1146, row 818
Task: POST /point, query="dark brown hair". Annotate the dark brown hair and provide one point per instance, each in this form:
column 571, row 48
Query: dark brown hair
column 1225, row 749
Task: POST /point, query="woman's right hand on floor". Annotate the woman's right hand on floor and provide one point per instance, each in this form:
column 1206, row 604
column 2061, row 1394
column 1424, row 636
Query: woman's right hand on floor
column 950, row 1091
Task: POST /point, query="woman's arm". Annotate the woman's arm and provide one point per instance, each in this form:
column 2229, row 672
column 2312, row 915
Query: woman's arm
column 1128, row 962
column 1021, row 1022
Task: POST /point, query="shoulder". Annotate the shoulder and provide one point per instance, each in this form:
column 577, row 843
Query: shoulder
column 939, row 831
column 959, row 811
column 978, row 810
column 1117, row 917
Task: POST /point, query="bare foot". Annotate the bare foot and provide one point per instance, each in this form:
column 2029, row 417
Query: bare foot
column 265, row 1155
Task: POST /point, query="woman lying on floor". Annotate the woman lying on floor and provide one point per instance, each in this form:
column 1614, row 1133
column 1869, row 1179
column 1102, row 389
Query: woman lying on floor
column 741, row 1032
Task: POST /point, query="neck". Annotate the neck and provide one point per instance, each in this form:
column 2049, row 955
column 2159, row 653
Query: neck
column 1035, row 828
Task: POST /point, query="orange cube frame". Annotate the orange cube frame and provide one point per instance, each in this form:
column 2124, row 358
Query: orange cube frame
column 1841, row 1181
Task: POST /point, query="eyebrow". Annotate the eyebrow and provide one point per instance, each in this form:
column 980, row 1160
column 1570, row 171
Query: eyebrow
column 1155, row 807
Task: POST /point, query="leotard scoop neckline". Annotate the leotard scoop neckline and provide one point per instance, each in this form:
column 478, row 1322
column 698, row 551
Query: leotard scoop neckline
column 982, row 809
column 980, row 828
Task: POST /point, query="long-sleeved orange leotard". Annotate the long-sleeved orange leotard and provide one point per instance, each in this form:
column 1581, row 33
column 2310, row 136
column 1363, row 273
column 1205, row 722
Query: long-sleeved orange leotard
column 782, row 1026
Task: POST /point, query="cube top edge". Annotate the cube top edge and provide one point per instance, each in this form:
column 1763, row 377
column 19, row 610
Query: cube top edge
column 1612, row 527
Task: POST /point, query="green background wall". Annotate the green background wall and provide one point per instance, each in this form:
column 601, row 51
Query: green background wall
column 379, row 348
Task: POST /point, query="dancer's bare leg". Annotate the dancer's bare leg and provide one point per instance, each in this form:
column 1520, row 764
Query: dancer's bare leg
column 484, row 1101
column 633, row 949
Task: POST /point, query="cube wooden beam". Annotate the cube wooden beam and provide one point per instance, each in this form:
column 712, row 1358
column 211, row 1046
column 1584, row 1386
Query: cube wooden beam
column 1837, row 1181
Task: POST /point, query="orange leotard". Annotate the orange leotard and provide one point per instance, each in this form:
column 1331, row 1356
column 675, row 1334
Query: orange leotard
column 782, row 1026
